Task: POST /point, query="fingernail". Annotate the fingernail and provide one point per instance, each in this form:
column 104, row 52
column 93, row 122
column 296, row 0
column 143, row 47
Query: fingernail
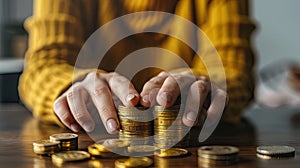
column 191, row 116
column 75, row 127
column 88, row 127
column 111, row 125
column 146, row 99
column 167, row 96
column 130, row 97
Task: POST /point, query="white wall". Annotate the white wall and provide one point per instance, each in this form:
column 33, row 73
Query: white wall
column 278, row 34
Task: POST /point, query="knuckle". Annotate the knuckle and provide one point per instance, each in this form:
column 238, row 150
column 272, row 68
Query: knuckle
column 65, row 117
column 156, row 81
column 80, row 117
column 100, row 90
column 202, row 86
column 163, row 73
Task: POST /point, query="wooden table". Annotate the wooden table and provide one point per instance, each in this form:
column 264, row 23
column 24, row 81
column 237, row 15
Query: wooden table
column 259, row 127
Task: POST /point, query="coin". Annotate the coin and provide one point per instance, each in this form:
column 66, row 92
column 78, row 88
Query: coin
column 70, row 156
column 95, row 151
column 276, row 150
column 209, row 162
column 68, row 141
column 141, row 148
column 218, row 157
column 106, row 145
column 133, row 162
column 44, row 147
column 218, row 150
column 172, row 152
column 63, row 137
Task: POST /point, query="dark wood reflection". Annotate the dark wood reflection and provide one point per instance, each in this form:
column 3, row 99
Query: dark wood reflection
column 259, row 127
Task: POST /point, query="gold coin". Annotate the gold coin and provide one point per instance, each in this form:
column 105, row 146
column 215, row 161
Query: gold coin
column 141, row 148
column 162, row 108
column 218, row 150
column 133, row 162
column 63, row 137
column 43, row 147
column 70, row 156
column 94, row 151
column 172, row 152
column 95, row 164
column 106, row 145
column 46, row 143
column 276, row 150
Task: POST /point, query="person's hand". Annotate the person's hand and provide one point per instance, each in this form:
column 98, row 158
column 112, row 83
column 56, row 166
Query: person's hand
column 204, row 99
column 97, row 88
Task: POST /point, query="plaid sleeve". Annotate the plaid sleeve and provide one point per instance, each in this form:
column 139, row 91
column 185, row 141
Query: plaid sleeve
column 229, row 27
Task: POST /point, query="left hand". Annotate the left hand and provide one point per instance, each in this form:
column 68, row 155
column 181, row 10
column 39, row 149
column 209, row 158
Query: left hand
column 201, row 94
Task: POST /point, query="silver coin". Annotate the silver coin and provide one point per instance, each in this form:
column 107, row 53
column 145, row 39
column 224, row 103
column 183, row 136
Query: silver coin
column 218, row 150
column 275, row 150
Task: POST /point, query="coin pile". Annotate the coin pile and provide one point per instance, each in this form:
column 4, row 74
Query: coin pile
column 57, row 143
column 217, row 155
column 109, row 148
column 68, row 141
column 46, row 147
column 133, row 162
column 136, row 124
column 269, row 152
column 169, row 129
column 69, row 156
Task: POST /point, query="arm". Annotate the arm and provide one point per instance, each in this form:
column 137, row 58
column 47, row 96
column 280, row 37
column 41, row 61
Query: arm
column 228, row 26
column 57, row 31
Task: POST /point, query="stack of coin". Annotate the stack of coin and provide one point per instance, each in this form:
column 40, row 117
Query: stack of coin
column 217, row 155
column 69, row 156
column 133, row 162
column 46, row 147
column 136, row 124
column 269, row 152
column 169, row 129
column 68, row 141
column 109, row 148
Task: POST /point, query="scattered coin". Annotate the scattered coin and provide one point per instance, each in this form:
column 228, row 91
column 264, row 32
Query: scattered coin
column 218, row 150
column 217, row 155
column 134, row 162
column 44, row 147
column 172, row 152
column 141, row 150
column 70, row 156
column 276, row 151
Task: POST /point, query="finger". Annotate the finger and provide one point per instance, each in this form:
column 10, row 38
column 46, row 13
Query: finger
column 77, row 98
column 198, row 93
column 151, row 88
column 168, row 92
column 172, row 87
column 123, row 89
column 102, row 99
column 64, row 114
column 214, row 113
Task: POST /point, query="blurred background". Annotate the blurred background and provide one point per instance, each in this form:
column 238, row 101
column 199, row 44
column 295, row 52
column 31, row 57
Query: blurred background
column 276, row 38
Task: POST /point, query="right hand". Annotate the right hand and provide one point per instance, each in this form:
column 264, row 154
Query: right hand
column 97, row 88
